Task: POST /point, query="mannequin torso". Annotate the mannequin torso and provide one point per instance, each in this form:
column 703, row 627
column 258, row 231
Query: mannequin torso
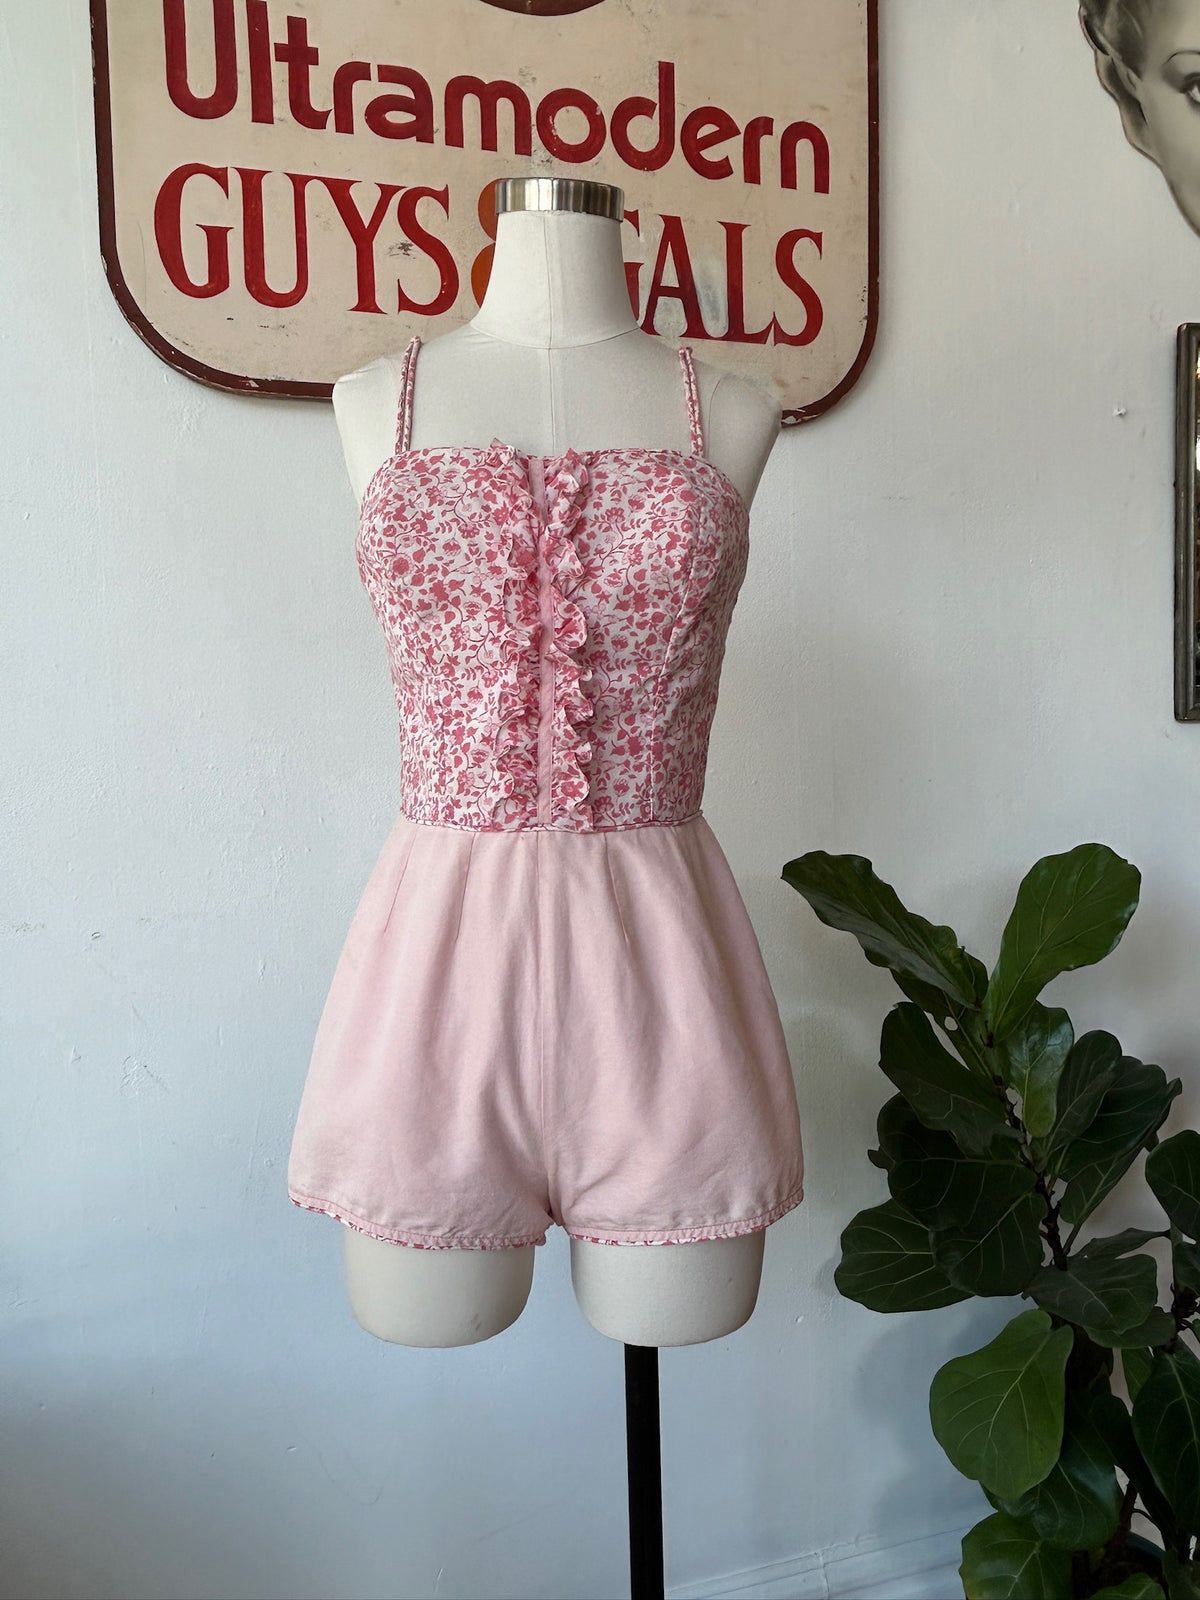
column 542, row 369
column 554, row 359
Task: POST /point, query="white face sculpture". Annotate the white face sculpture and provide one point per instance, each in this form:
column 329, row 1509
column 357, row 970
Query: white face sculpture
column 1163, row 120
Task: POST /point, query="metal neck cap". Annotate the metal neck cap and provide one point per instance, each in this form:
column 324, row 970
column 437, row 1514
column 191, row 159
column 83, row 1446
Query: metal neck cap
column 560, row 194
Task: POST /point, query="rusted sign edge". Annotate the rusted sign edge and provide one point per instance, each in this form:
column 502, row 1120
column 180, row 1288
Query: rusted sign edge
column 818, row 407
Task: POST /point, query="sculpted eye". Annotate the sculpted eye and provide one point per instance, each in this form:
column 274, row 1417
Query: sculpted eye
column 1191, row 88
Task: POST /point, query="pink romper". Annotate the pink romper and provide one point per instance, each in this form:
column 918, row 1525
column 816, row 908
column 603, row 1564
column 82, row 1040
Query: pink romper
column 551, row 1006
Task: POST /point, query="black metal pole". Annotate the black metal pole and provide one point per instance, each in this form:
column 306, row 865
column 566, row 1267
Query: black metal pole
column 646, row 1580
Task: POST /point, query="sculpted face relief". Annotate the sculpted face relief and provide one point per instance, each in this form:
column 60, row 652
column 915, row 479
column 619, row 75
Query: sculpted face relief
column 1168, row 89
column 1148, row 58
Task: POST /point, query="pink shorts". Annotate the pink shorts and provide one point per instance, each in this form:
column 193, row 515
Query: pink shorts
column 537, row 1027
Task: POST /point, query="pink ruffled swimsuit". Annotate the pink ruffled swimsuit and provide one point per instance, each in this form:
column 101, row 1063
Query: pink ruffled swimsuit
column 551, row 1006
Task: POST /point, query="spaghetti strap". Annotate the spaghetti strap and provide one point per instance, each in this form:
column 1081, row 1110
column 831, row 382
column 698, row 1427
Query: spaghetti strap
column 693, row 399
column 404, row 409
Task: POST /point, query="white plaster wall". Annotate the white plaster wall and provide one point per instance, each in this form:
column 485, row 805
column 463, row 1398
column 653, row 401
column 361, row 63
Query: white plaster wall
column 952, row 654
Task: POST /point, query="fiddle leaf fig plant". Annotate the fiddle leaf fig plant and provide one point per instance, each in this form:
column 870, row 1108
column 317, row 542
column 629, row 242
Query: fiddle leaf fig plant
column 1003, row 1135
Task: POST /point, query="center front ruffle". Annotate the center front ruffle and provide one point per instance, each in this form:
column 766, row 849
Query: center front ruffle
column 542, row 551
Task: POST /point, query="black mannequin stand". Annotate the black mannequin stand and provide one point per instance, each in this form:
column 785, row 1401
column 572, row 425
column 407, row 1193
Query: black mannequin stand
column 646, row 1580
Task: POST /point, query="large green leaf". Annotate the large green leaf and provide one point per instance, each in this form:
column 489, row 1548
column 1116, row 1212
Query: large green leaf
column 1119, row 1244
column 1173, row 1172
column 1070, row 911
column 998, row 1412
column 1031, row 1061
column 1003, row 1559
column 944, row 1095
column 963, row 1023
column 935, row 1001
column 845, row 893
column 984, row 1208
column 1000, row 1258
column 1078, row 1504
column 1116, row 1423
column 1104, row 1296
column 1139, row 1587
column 887, row 1264
column 943, row 1187
column 1185, row 1265
column 1166, row 1425
column 1112, row 1421
column 895, row 1121
column 1158, row 1328
column 1133, row 1109
column 1090, row 1367
column 1090, row 1068
column 1137, row 1364
column 1183, row 1577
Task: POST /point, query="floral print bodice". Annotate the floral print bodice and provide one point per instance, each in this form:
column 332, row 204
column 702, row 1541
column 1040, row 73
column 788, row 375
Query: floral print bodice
column 555, row 625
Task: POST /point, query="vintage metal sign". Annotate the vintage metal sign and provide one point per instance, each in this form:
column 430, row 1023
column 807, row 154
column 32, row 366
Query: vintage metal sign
column 289, row 188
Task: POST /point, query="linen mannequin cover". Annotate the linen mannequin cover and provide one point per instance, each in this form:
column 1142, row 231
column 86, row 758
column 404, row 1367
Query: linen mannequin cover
column 551, row 1006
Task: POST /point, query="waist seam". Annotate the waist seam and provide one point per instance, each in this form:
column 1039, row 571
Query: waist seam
column 631, row 827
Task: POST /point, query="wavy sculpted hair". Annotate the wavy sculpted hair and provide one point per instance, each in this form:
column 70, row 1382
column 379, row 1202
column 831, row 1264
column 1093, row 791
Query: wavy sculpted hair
column 1115, row 31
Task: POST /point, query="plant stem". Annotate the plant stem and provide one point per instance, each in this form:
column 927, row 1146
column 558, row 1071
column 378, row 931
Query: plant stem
column 1183, row 1308
column 1058, row 1250
column 1049, row 1225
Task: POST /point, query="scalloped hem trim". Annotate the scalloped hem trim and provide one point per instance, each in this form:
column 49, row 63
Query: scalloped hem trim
column 417, row 1240
column 409, row 1236
column 710, row 1230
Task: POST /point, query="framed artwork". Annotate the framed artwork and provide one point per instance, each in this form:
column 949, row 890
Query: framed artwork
column 1187, row 528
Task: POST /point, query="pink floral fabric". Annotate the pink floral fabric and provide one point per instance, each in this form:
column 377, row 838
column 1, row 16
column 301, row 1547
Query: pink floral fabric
column 555, row 626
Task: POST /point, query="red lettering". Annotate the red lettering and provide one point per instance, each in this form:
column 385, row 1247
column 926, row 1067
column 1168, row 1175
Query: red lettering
column 434, row 248
column 224, row 93
column 659, row 152
column 558, row 100
column 489, row 96
column 736, row 331
column 300, row 58
column 258, row 40
column 757, row 129
column 785, row 266
column 344, row 79
column 416, row 105
column 362, row 233
column 791, row 136
column 673, row 250
column 702, row 128
column 254, row 243
column 168, row 232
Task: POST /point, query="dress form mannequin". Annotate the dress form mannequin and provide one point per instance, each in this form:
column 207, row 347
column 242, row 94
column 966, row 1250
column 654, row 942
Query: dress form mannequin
column 554, row 359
